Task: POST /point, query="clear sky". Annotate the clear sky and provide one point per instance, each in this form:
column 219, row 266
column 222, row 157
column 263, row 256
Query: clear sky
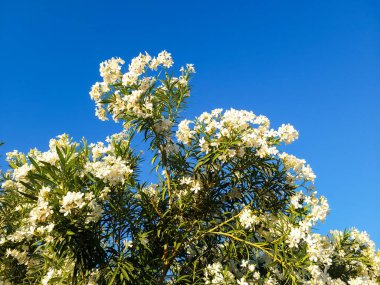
column 314, row 64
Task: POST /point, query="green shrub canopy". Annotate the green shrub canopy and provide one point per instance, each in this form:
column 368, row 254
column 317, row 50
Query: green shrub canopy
column 229, row 206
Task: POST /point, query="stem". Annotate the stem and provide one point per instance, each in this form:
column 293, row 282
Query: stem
column 167, row 176
column 166, row 266
column 256, row 245
column 244, row 241
column 168, row 261
column 225, row 222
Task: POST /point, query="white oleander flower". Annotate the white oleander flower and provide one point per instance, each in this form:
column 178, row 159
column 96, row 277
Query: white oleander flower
column 72, row 201
column 110, row 169
column 287, row 133
column 127, row 243
column 184, row 133
column 110, row 70
column 248, row 219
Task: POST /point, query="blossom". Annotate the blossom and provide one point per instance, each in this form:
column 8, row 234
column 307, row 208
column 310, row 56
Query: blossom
column 165, row 59
column 95, row 213
column 20, row 173
column 362, row 280
column 138, row 64
column 319, row 208
column 110, row 169
column 307, row 173
column 136, row 68
column 101, row 112
column 127, row 243
column 295, row 200
column 287, row 133
column 298, row 166
column 319, row 249
column 97, row 90
column 242, row 281
column 72, row 201
column 248, row 219
column 196, row 187
column 270, row 281
column 186, row 180
column 203, row 144
column 295, row 236
column 98, row 150
column 244, row 263
column 47, row 277
column 163, row 125
column 8, row 184
column 110, row 70
column 104, row 194
column 41, row 212
column 190, row 67
column 214, row 274
column 184, row 133
column 20, row 256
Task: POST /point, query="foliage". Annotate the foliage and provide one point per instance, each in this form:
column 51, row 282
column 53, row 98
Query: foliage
column 228, row 207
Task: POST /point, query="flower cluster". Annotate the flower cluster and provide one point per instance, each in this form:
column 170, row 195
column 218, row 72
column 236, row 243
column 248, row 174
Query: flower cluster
column 55, row 193
column 248, row 219
column 137, row 91
column 244, row 273
column 233, row 132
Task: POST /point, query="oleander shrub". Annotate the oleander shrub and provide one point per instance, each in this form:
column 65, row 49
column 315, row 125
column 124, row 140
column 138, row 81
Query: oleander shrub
column 228, row 205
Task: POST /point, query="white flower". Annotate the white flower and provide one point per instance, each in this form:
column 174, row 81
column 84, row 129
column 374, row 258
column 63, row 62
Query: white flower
column 44, row 193
column 320, row 209
column 270, row 281
column 96, row 211
column 72, row 200
column 138, row 64
column 163, row 125
column 203, row 144
column 101, row 113
column 299, row 166
column 248, row 219
column 98, row 150
column 319, row 249
column 184, row 133
column 186, row 180
column 287, row 133
column 41, row 212
column 295, row 200
column 20, row 256
column 307, row 173
column 104, row 194
column 362, row 280
column 127, row 243
column 244, row 263
column 295, row 236
column 251, row 267
column 110, row 70
column 190, row 68
column 97, row 91
column 242, row 281
column 48, row 277
column 110, row 169
column 20, row 173
column 196, row 187
column 165, row 59
column 8, row 184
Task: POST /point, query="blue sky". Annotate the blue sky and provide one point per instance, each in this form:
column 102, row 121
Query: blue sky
column 314, row 64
